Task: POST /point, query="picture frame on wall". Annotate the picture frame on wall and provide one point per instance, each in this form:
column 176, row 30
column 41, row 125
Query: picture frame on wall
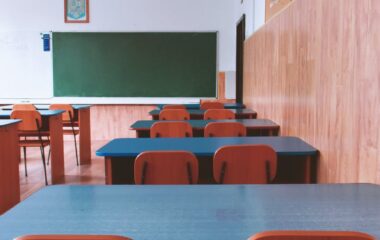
column 77, row 11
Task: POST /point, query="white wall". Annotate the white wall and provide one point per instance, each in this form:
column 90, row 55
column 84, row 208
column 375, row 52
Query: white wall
column 254, row 11
column 26, row 71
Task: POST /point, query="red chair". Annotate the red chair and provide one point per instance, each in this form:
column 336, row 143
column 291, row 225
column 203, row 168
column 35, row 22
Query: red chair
column 311, row 235
column 225, row 129
column 72, row 237
column 174, row 115
column 174, row 106
column 166, row 167
column 211, row 105
column 245, row 164
column 69, row 125
column 31, row 126
column 168, row 129
column 24, row 106
column 218, row 114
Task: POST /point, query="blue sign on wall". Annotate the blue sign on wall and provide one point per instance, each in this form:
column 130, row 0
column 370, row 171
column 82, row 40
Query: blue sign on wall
column 46, row 42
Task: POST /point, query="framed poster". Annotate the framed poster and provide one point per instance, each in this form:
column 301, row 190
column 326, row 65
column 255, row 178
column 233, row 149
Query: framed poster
column 77, row 11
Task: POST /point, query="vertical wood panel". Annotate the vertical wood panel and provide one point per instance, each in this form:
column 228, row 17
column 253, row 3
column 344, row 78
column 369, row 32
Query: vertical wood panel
column 9, row 175
column 113, row 121
column 315, row 69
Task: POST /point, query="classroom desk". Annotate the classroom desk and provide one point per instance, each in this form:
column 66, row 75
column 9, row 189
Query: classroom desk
column 52, row 122
column 197, row 106
column 298, row 156
column 198, row 114
column 254, row 126
column 200, row 212
column 9, row 161
column 82, row 115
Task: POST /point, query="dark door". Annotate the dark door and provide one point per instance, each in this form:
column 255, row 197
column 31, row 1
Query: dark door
column 240, row 37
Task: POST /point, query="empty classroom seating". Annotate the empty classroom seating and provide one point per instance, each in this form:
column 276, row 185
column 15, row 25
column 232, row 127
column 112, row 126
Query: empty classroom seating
column 31, row 126
column 245, row 164
column 215, row 114
column 211, row 105
column 171, row 129
column 174, row 114
column 225, row 129
column 166, row 167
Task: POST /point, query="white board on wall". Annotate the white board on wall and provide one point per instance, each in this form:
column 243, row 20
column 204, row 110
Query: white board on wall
column 25, row 69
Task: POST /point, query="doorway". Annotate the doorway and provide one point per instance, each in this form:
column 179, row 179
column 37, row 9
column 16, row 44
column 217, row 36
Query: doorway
column 240, row 37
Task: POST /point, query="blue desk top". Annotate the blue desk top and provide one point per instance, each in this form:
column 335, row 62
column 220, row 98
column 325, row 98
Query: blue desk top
column 202, row 212
column 131, row 147
column 201, row 112
column 197, row 105
column 44, row 113
column 4, row 123
column 200, row 124
column 46, row 106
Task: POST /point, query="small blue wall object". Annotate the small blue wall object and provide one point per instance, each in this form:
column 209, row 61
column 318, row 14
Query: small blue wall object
column 46, row 42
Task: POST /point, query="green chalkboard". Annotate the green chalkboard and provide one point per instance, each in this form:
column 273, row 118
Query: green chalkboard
column 134, row 64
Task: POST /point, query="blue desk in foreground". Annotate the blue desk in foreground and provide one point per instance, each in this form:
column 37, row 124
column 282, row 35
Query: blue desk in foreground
column 120, row 154
column 198, row 114
column 254, row 126
column 197, row 106
column 202, row 212
column 51, row 122
column 82, row 116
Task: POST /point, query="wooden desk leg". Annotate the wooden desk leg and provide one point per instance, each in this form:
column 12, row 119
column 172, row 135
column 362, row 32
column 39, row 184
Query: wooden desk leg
column 9, row 173
column 84, row 136
column 56, row 144
column 108, row 170
column 308, row 169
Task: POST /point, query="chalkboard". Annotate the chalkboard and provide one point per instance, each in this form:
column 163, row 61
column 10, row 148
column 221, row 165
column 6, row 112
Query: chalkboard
column 134, row 64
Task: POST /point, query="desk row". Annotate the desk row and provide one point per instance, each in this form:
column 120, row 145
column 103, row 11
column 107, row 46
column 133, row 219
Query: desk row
column 254, row 127
column 296, row 158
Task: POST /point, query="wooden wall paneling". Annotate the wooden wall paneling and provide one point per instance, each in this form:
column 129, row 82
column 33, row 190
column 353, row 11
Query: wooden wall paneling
column 221, row 85
column 113, row 121
column 314, row 69
column 9, row 173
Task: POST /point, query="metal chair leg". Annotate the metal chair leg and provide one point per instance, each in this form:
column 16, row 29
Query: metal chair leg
column 44, row 164
column 48, row 155
column 76, row 149
column 26, row 171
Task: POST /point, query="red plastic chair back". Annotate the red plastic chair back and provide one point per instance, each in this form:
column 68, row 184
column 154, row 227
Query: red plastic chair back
column 311, row 235
column 68, row 111
column 24, row 106
column 225, row 129
column 174, row 115
column 166, row 167
column 218, row 114
column 211, row 105
column 245, row 164
column 169, row 129
column 29, row 118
